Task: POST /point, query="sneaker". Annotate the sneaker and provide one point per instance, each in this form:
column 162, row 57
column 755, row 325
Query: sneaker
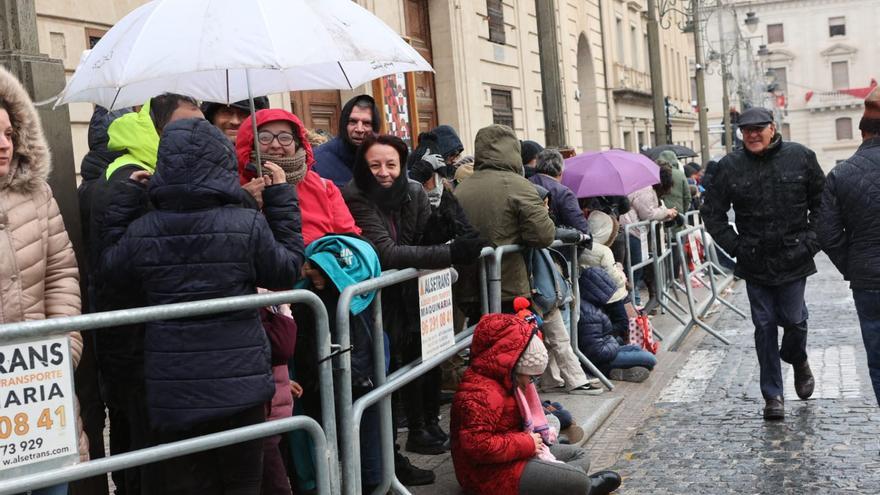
column 637, row 374
column 585, row 389
column 410, row 475
column 594, row 382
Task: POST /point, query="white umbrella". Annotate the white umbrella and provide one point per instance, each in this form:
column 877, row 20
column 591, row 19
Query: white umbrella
column 201, row 48
column 228, row 50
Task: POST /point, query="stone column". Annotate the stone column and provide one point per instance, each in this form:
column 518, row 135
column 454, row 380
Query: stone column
column 43, row 78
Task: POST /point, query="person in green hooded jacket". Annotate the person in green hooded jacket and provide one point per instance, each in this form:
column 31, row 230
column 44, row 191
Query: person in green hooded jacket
column 679, row 197
column 505, row 208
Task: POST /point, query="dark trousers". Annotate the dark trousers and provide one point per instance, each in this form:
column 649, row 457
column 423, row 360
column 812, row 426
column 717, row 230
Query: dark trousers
column 868, row 308
column 421, row 398
column 129, row 426
column 231, row 470
column 88, row 391
column 773, row 307
column 275, row 480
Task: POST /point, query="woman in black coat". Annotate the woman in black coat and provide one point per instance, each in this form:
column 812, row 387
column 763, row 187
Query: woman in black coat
column 394, row 214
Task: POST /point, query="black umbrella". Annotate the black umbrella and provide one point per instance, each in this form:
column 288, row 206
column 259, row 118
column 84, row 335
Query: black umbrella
column 680, row 151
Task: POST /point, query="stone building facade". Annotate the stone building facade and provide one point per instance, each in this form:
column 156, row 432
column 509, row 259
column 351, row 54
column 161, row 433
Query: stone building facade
column 823, row 57
column 487, row 68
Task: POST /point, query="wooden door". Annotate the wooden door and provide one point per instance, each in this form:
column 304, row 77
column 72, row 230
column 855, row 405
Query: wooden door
column 319, row 110
column 418, row 30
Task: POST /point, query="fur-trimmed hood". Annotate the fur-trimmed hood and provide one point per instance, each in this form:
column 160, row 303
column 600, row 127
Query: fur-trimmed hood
column 31, row 161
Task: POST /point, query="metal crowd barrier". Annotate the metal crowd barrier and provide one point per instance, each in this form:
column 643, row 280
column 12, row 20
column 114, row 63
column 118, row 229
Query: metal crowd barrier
column 350, row 413
column 494, row 293
column 324, row 441
column 698, row 311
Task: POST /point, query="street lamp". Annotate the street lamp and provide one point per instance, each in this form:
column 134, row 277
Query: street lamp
column 690, row 10
column 751, row 22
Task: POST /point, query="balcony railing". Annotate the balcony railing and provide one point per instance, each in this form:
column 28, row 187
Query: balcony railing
column 831, row 100
column 626, row 77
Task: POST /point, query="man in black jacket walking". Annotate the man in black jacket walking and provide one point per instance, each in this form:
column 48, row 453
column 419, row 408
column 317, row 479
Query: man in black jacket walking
column 849, row 229
column 775, row 188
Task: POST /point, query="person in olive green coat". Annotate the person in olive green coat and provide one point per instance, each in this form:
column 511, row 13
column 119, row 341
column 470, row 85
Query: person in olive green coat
column 505, row 208
column 679, row 197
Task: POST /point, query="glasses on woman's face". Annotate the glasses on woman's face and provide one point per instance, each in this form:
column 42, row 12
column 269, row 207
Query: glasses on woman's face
column 284, row 138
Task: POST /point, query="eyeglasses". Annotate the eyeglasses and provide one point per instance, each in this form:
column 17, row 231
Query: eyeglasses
column 284, row 138
column 753, row 129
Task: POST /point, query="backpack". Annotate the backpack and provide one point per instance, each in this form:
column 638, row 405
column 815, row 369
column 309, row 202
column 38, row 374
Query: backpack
column 548, row 278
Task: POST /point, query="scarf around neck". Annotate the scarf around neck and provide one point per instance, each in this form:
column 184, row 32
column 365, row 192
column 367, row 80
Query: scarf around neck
column 294, row 166
column 534, row 421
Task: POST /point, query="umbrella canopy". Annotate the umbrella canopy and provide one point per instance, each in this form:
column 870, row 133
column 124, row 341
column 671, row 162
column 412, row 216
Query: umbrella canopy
column 609, row 173
column 208, row 49
column 680, row 151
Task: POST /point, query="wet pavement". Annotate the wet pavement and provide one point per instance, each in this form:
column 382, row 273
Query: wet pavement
column 705, row 434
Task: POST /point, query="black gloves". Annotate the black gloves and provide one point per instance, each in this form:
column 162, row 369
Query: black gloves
column 466, row 250
column 574, row 236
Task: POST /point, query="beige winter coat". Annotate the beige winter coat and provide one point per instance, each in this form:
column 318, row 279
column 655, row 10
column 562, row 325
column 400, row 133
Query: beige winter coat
column 38, row 272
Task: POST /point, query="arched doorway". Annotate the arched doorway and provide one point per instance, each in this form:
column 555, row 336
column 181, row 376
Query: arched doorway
column 589, row 106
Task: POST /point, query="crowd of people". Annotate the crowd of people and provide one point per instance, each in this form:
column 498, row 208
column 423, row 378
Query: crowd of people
column 180, row 201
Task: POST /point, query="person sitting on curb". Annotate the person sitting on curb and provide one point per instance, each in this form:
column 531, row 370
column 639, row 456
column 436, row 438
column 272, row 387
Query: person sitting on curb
column 596, row 336
column 501, row 442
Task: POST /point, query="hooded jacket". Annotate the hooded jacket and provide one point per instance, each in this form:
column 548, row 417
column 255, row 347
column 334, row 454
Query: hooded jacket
column 776, row 197
column 595, row 331
column 335, row 158
column 600, row 254
column 321, row 205
column 849, row 224
column 489, row 447
column 37, row 265
column 94, row 164
column 505, row 208
column 199, row 243
column 679, row 197
column 134, row 135
column 448, row 142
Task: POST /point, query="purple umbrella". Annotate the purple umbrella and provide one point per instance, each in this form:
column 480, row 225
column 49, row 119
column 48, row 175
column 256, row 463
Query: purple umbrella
column 609, row 173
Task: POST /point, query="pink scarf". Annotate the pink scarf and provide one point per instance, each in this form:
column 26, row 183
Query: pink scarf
column 534, row 421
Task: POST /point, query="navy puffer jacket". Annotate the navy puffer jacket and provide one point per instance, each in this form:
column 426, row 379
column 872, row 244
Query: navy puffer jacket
column 595, row 332
column 199, row 243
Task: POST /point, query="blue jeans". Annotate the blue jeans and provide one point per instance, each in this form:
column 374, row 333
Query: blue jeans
column 52, row 490
column 773, row 307
column 868, row 308
column 630, row 356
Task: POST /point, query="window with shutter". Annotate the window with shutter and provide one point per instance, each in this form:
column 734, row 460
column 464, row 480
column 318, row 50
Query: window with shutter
column 495, row 9
column 844, row 128
column 502, row 107
column 775, row 33
column 840, row 75
column 837, row 26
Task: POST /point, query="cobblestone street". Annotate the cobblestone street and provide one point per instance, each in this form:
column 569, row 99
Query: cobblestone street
column 706, row 435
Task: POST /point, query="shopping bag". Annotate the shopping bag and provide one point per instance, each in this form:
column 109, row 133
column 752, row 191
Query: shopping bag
column 641, row 333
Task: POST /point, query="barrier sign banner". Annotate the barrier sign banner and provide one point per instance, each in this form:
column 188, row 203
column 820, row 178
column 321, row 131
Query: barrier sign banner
column 695, row 251
column 643, row 237
column 37, row 415
column 435, row 309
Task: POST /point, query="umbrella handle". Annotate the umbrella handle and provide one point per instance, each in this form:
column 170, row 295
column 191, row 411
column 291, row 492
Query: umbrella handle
column 259, row 163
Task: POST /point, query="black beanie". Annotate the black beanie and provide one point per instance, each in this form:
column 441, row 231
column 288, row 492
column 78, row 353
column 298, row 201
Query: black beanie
column 530, row 150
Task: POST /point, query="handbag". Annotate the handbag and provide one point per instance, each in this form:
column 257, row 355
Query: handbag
column 548, row 278
column 641, row 333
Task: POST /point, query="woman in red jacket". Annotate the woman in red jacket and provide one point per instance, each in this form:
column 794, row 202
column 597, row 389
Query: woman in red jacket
column 494, row 450
column 283, row 141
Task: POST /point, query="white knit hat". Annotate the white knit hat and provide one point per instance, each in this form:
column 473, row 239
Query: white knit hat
column 534, row 360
